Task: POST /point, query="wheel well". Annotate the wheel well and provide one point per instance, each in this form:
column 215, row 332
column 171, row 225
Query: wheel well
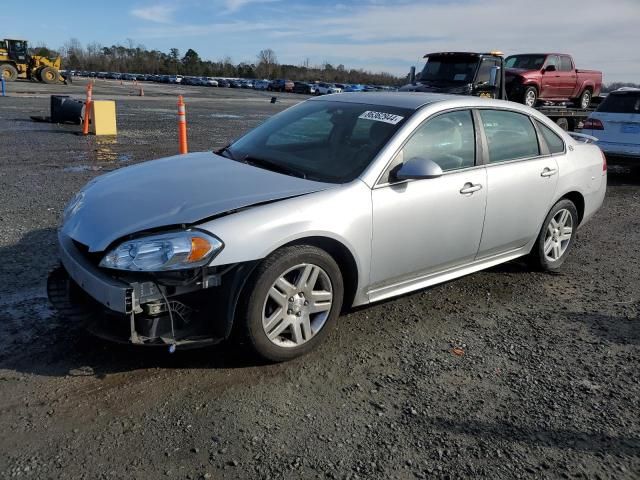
column 343, row 258
column 578, row 201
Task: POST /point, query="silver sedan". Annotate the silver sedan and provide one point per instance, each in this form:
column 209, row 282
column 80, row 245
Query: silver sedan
column 339, row 201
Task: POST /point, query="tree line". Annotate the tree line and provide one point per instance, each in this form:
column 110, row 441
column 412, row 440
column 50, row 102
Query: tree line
column 134, row 58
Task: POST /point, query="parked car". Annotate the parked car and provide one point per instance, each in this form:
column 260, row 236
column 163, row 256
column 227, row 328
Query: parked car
column 261, row 84
column 327, row 88
column 303, row 87
column 281, row 85
column 210, row 82
column 551, row 77
column 616, row 125
column 235, row 83
column 354, row 88
column 437, row 187
column 247, row 83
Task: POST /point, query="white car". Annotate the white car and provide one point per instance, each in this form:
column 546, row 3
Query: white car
column 616, row 124
column 336, row 202
column 211, row 82
column 327, row 88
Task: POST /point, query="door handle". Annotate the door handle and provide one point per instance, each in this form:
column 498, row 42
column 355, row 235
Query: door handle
column 548, row 172
column 470, row 188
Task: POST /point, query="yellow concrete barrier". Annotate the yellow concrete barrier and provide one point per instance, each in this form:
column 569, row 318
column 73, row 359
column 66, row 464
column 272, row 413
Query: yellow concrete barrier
column 103, row 118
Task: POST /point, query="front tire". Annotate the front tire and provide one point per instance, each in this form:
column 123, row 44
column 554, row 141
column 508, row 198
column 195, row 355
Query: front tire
column 49, row 75
column 556, row 237
column 293, row 301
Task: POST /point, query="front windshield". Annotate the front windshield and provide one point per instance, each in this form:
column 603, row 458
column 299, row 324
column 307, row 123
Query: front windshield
column 449, row 69
column 526, row 62
column 326, row 141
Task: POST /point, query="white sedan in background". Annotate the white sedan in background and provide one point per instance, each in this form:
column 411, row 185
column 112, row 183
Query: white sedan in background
column 327, row 89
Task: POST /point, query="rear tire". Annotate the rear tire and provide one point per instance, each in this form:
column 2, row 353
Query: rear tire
column 8, row 72
column 563, row 123
column 530, row 97
column 49, row 75
column 584, row 100
column 293, row 300
column 555, row 238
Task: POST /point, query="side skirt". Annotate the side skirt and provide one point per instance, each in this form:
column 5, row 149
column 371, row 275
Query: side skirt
column 423, row 281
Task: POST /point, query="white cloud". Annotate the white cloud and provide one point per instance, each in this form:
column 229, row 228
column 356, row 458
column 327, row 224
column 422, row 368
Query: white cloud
column 392, row 36
column 156, row 13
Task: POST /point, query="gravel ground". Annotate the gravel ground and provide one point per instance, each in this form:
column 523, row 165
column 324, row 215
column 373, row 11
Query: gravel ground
column 545, row 382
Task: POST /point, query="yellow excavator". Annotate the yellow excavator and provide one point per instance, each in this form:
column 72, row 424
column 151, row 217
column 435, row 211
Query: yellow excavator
column 16, row 62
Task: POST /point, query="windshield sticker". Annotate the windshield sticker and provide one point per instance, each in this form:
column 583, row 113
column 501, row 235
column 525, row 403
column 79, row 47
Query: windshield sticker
column 381, row 117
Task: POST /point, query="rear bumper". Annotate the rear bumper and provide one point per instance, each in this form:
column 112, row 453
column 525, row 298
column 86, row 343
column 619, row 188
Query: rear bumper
column 627, row 151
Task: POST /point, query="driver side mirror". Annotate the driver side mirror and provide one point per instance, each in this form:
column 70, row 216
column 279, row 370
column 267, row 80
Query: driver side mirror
column 550, row 68
column 416, row 168
column 412, row 75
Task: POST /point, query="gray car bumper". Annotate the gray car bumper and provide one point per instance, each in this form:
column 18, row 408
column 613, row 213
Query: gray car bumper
column 113, row 294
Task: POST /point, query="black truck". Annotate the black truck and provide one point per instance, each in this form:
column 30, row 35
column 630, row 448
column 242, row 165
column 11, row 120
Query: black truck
column 483, row 75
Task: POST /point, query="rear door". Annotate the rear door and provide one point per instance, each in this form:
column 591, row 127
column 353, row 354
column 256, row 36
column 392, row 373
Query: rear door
column 521, row 181
column 567, row 78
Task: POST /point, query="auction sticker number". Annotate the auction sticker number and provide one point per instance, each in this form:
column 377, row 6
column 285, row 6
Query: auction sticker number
column 381, row 117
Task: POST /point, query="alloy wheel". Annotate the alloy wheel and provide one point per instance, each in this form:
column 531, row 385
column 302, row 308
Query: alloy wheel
column 297, row 305
column 558, row 235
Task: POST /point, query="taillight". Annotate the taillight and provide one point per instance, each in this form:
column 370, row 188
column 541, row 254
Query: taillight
column 604, row 162
column 592, row 124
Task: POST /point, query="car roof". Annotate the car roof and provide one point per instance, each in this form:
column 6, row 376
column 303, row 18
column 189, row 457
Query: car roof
column 410, row 100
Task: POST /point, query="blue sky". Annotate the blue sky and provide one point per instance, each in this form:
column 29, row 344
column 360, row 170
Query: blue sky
column 378, row 35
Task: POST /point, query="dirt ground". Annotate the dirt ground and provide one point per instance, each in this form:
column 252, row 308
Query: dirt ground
column 548, row 385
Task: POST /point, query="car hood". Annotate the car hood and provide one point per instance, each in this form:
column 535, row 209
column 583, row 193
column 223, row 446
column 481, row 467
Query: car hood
column 172, row 191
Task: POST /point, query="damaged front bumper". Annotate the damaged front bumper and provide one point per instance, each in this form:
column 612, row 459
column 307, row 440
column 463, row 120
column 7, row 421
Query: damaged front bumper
column 191, row 308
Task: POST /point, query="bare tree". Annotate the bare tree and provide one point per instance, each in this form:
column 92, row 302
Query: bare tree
column 267, row 61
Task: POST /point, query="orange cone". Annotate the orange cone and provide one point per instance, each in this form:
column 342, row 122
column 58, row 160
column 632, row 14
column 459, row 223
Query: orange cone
column 182, row 126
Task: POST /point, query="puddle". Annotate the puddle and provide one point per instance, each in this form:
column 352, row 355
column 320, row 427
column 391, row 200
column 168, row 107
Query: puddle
column 82, row 168
column 220, row 115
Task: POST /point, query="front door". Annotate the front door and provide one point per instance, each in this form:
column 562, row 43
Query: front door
column 425, row 226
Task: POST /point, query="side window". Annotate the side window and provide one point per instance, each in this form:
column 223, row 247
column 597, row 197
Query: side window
column 510, row 135
column 484, row 74
column 554, row 142
column 312, row 128
column 553, row 60
column 565, row 64
column 447, row 139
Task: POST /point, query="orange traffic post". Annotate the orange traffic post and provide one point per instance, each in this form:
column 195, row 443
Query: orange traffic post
column 87, row 110
column 182, row 126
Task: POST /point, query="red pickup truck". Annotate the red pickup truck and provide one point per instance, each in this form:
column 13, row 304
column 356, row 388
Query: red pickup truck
column 550, row 77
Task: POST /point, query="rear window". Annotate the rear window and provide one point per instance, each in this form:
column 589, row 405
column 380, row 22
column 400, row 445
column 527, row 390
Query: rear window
column 553, row 140
column 623, row 102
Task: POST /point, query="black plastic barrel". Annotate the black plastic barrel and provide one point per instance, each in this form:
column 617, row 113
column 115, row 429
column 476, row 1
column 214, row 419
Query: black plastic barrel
column 65, row 109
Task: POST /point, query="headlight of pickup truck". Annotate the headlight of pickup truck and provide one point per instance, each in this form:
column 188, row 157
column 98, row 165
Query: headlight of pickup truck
column 167, row 251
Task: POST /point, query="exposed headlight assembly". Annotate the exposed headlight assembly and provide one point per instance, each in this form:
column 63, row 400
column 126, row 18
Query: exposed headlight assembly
column 167, row 251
